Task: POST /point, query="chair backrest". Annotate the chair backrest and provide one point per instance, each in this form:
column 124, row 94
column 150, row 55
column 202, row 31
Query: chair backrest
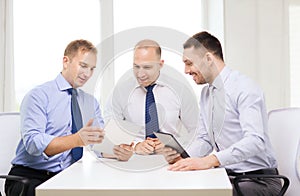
column 284, row 132
column 10, row 136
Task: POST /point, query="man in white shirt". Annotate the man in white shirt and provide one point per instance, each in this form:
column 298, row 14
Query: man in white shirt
column 176, row 104
column 232, row 122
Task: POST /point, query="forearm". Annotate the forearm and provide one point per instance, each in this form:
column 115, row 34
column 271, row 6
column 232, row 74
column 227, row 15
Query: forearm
column 240, row 151
column 61, row 144
column 190, row 164
column 213, row 160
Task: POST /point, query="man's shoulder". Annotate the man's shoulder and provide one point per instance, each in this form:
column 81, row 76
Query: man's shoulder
column 45, row 88
column 125, row 86
column 242, row 85
column 39, row 94
column 243, row 81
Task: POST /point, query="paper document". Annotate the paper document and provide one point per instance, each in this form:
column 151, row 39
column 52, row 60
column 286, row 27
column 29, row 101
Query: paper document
column 117, row 132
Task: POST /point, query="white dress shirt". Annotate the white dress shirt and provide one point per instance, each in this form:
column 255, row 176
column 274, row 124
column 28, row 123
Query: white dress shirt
column 176, row 103
column 242, row 141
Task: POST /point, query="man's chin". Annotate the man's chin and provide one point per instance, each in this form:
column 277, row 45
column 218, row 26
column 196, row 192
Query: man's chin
column 143, row 84
column 198, row 82
column 79, row 84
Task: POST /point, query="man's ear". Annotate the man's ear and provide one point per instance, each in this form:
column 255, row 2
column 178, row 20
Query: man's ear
column 161, row 63
column 65, row 61
column 209, row 57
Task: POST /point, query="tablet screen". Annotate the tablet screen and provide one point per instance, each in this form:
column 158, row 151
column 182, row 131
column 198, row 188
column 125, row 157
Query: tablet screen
column 170, row 141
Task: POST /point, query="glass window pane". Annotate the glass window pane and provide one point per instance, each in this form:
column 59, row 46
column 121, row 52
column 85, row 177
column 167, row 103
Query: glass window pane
column 42, row 30
column 182, row 16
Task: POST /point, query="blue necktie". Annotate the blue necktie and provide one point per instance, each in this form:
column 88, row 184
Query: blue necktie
column 151, row 119
column 76, row 122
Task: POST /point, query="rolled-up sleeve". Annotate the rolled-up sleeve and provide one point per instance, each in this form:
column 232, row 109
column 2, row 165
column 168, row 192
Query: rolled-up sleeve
column 33, row 123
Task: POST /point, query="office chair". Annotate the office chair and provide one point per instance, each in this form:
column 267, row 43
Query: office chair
column 284, row 132
column 239, row 179
column 10, row 136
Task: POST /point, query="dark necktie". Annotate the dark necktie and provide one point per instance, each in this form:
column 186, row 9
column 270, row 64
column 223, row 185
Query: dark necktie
column 151, row 119
column 76, row 122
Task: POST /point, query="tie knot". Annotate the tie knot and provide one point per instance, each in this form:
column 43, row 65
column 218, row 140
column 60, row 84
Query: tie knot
column 72, row 91
column 211, row 89
column 150, row 87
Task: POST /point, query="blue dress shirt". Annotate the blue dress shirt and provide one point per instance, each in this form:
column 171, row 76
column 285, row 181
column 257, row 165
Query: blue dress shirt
column 46, row 114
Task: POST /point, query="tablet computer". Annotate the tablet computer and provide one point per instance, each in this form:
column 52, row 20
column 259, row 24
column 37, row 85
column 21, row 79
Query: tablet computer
column 170, row 141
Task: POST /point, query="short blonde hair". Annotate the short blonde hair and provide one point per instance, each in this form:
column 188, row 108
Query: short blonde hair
column 80, row 45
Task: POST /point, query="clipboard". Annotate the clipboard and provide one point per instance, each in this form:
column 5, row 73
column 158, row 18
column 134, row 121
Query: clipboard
column 170, row 141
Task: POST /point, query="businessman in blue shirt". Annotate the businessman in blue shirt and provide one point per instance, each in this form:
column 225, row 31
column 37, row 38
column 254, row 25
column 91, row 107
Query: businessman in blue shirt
column 46, row 121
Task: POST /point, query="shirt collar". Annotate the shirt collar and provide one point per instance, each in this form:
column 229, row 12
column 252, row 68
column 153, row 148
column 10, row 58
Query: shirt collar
column 62, row 83
column 158, row 82
column 221, row 78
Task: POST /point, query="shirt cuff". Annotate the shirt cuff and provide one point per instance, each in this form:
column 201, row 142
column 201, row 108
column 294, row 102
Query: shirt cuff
column 98, row 154
column 45, row 156
column 224, row 158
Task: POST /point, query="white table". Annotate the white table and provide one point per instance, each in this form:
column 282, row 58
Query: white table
column 141, row 175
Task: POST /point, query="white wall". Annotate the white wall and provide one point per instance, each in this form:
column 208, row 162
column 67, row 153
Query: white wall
column 256, row 43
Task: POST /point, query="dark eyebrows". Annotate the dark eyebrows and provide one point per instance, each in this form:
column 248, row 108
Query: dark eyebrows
column 187, row 61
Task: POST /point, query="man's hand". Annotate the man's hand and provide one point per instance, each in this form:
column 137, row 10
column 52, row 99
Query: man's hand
column 158, row 146
column 90, row 134
column 123, row 152
column 146, row 147
column 195, row 163
column 85, row 136
column 170, row 154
